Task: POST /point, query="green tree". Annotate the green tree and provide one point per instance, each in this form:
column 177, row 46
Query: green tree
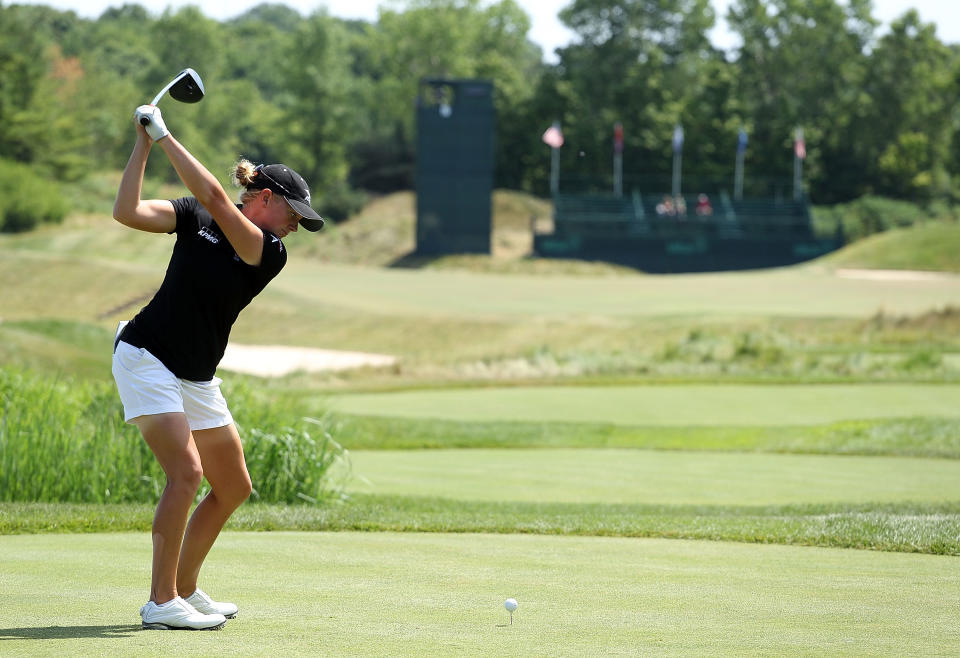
column 317, row 105
column 258, row 42
column 802, row 63
column 642, row 63
column 913, row 88
column 23, row 66
column 39, row 119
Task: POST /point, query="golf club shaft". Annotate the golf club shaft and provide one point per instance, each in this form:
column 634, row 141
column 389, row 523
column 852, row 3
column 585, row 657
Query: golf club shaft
column 145, row 121
column 156, row 99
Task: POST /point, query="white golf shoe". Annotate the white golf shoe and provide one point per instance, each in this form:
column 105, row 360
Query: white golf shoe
column 205, row 604
column 176, row 615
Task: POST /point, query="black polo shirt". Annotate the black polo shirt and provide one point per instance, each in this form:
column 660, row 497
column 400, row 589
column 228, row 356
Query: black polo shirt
column 187, row 323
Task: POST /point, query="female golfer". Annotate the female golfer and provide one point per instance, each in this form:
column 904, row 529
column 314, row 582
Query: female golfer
column 165, row 358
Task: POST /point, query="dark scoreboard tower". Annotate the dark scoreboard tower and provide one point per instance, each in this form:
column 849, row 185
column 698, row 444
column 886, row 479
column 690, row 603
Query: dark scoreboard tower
column 455, row 133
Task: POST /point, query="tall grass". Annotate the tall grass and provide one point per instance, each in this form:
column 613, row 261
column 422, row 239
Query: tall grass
column 64, row 440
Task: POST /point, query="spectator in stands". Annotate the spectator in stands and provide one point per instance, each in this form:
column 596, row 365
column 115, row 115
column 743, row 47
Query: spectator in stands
column 681, row 206
column 665, row 208
column 703, row 208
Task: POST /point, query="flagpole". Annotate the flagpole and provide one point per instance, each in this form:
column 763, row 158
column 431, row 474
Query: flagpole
column 553, row 137
column 798, row 144
column 677, row 159
column 618, row 159
column 738, row 172
column 738, row 178
column 554, row 170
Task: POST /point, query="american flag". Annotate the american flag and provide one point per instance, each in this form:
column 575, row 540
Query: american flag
column 799, row 146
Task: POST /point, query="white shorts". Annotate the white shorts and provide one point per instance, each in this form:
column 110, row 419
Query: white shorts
column 146, row 387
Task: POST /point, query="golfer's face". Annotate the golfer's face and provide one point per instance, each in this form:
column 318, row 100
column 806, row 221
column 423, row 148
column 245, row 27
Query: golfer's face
column 282, row 219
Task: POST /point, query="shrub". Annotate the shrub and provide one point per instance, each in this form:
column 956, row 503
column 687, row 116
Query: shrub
column 64, row 440
column 870, row 214
column 27, row 198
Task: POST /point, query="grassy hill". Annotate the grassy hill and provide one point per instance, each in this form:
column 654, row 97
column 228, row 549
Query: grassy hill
column 933, row 246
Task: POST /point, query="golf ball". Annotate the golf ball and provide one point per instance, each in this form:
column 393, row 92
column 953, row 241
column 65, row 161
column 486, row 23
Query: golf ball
column 510, row 604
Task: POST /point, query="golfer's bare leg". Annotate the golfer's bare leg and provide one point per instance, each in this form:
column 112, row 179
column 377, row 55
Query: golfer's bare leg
column 221, row 454
column 168, row 436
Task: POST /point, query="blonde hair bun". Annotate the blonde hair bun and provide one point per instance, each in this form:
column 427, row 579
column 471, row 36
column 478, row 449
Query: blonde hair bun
column 243, row 173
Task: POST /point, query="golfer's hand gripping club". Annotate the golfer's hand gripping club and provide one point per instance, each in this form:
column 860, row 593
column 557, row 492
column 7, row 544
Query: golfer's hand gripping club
column 152, row 121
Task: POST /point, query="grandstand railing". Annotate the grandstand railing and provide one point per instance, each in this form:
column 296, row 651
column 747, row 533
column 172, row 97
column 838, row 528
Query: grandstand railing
column 599, row 215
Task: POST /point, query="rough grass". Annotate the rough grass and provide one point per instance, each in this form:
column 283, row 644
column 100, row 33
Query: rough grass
column 902, row 527
column 64, row 440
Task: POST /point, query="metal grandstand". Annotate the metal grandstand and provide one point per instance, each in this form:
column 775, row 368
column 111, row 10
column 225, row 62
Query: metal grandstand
column 658, row 232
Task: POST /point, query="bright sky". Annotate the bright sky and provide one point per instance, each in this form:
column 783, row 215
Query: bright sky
column 547, row 31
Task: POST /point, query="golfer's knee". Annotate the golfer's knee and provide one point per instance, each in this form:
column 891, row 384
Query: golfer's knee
column 232, row 493
column 238, row 491
column 186, row 478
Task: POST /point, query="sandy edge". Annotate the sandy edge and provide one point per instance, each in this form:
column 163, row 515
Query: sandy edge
column 892, row 275
column 278, row 360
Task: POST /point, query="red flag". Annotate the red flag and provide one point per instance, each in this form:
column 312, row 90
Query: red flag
column 799, row 146
column 553, row 137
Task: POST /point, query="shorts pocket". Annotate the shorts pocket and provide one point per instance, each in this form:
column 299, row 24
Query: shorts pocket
column 127, row 356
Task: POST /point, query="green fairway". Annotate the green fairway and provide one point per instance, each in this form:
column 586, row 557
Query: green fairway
column 692, row 405
column 806, row 291
column 413, row 594
column 797, row 291
column 652, row 477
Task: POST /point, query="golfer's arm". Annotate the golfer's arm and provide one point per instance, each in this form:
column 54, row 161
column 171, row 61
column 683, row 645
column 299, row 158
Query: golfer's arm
column 244, row 236
column 129, row 209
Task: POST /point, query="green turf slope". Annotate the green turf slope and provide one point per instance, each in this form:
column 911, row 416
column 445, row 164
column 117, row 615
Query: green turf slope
column 929, row 246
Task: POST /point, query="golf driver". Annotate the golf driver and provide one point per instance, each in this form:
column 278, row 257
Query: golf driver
column 186, row 87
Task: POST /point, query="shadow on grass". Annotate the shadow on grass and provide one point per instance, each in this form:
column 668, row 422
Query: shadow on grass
column 65, row 632
column 414, row 261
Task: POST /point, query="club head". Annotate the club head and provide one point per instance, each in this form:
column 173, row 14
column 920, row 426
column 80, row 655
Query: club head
column 187, row 87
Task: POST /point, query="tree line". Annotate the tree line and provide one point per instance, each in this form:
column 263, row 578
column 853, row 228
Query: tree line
column 335, row 98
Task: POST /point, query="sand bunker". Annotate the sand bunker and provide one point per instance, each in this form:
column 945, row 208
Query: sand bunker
column 891, row 275
column 278, row 360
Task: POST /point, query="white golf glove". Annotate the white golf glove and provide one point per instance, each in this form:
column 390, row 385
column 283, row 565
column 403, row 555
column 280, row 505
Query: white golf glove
column 150, row 118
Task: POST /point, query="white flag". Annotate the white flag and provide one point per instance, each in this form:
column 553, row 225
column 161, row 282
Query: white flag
column 677, row 137
column 553, row 137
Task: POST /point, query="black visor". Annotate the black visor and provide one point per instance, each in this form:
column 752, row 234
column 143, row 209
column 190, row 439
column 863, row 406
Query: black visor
column 292, row 187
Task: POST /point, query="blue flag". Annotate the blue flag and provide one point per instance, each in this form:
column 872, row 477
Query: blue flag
column 742, row 141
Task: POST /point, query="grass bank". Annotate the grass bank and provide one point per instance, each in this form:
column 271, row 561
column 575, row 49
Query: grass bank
column 929, row 246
